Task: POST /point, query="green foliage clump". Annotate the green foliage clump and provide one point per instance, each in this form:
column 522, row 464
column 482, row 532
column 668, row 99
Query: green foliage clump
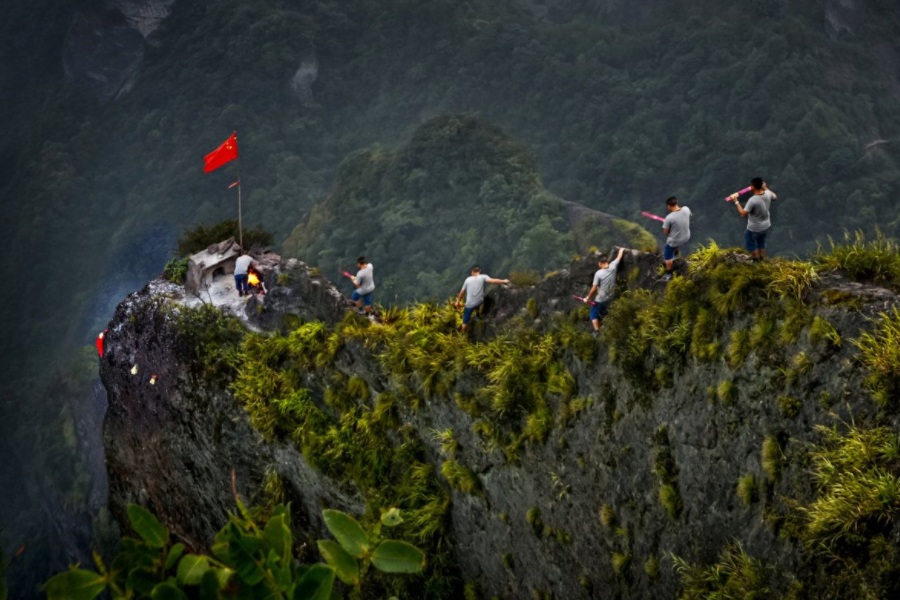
column 869, row 260
column 880, row 354
column 607, row 516
column 651, row 567
column 736, row 576
column 858, row 489
column 665, row 469
column 642, row 327
column 460, row 478
column 771, row 457
column 202, row 236
column 210, row 340
column 248, row 560
column 283, row 279
column 802, row 363
column 533, row 519
column 789, row 406
column 621, row 563
column 538, row 425
column 823, row 331
column 739, row 348
column 670, row 500
column 176, row 270
column 727, row 392
column 748, row 489
column 525, row 278
column 856, row 509
column 448, row 443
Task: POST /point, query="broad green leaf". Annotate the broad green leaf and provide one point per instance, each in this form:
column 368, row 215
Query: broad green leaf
column 142, row 580
column 235, row 549
column 391, row 517
column 209, row 586
column 224, row 576
column 344, row 565
column 347, row 531
column 174, row 554
column 147, row 526
column 75, row 584
column 192, row 569
column 246, row 566
column 167, row 591
column 394, row 556
column 277, row 536
column 316, row 584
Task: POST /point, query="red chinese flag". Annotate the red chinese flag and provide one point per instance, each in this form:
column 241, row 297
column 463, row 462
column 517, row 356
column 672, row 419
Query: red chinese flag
column 225, row 153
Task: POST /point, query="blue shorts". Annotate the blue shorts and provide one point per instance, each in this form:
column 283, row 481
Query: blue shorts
column 669, row 253
column 467, row 313
column 366, row 298
column 599, row 310
column 755, row 240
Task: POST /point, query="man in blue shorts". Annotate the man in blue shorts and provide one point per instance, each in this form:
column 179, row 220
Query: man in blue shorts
column 473, row 289
column 677, row 228
column 365, row 285
column 758, row 213
column 604, row 286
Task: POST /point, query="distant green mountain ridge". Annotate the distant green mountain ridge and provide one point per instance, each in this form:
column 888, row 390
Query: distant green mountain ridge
column 459, row 193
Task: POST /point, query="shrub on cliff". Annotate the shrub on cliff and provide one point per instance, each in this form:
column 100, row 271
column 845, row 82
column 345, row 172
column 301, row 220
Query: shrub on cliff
column 202, row 236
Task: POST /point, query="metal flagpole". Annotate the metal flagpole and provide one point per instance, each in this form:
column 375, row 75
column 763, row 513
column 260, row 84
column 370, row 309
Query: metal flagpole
column 240, row 220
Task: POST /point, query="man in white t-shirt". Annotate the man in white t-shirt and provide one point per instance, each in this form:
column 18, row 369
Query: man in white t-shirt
column 758, row 212
column 241, row 271
column 677, row 228
column 365, row 285
column 604, row 286
column 473, row 289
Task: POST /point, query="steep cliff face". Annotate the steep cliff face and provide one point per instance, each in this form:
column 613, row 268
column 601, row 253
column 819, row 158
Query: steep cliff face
column 576, row 483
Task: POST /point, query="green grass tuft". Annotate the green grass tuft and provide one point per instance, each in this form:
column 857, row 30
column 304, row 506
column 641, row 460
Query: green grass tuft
column 524, row 278
column 736, row 576
column 748, row 489
column 789, row 407
column 727, row 392
column 651, row 567
column 880, row 354
column 461, row 478
column 621, row 563
column 771, row 457
column 607, row 516
column 869, row 260
column 822, row 331
column 670, row 500
column 858, row 500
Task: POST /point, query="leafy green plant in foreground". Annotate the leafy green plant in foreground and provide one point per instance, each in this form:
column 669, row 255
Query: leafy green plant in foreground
column 249, row 560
